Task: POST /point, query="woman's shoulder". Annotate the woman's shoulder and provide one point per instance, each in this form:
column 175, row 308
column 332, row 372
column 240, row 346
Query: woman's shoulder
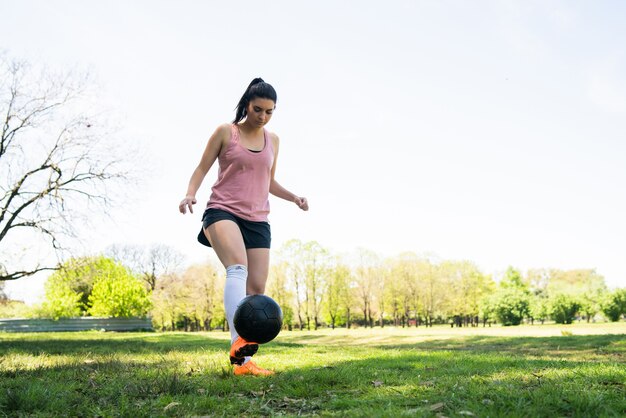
column 225, row 129
column 224, row 132
column 221, row 136
column 274, row 138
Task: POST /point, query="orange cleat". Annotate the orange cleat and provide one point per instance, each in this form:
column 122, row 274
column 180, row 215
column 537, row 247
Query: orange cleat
column 240, row 349
column 250, row 368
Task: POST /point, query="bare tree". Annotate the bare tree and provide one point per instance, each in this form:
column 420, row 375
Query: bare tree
column 290, row 254
column 337, row 286
column 190, row 300
column 315, row 260
column 366, row 276
column 57, row 165
column 148, row 262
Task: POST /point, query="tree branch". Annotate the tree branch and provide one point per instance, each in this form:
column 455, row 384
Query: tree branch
column 24, row 273
column 16, row 191
column 51, row 153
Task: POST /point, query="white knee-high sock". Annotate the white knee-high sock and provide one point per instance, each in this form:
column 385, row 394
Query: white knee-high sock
column 234, row 291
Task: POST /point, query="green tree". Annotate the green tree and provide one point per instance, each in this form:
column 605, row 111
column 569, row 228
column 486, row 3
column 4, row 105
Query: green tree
column 587, row 286
column 467, row 287
column 590, row 305
column 399, row 270
column 576, row 282
column 511, row 304
column 348, row 300
column 61, row 300
column 614, row 305
column 166, row 299
column 539, row 308
column 407, row 288
column 336, row 286
column 487, row 309
column 68, row 289
column 204, row 298
column 290, row 254
column 513, row 280
column 190, row 300
column 82, row 273
column 563, row 308
column 366, row 275
column 119, row 294
column 315, row 260
column 379, row 292
column 433, row 281
column 278, row 289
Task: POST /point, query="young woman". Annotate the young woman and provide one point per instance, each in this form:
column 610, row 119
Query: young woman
column 235, row 220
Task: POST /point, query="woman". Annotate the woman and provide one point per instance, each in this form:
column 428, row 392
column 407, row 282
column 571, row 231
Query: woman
column 235, row 221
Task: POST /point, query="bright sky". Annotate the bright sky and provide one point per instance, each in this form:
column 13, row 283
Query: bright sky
column 493, row 131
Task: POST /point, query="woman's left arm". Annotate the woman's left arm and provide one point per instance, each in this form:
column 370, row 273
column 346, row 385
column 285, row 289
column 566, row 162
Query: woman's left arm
column 279, row 191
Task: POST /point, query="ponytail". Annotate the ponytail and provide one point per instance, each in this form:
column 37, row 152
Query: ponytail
column 256, row 89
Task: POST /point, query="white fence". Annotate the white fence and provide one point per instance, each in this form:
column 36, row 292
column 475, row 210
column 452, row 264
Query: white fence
column 76, row 324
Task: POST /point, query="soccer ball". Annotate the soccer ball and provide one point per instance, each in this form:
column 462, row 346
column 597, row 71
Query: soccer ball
column 258, row 318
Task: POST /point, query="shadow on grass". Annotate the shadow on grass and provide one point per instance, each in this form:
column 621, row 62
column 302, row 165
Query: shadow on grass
column 110, row 343
column 588, row 347
column 613, row 344
column 89, row 388
column 489, row 376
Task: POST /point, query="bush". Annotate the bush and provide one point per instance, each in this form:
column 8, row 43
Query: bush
column 614, row 306
column 539, row 309
column 96, row 286
column 510, row 306
column 61, row 301
column 122, row 295
column 563, row 308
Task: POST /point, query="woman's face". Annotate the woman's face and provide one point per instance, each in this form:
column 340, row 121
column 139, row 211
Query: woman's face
column 260, row 111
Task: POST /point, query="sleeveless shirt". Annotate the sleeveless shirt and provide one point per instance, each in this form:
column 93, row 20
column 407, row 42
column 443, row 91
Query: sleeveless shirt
column 243, row 180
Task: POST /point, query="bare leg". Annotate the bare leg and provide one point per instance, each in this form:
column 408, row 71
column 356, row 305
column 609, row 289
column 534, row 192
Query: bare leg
column 225, row 238
column 258, row 270
column 227, row 241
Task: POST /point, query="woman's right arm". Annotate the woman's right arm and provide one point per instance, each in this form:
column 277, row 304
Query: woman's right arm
column 212, row 150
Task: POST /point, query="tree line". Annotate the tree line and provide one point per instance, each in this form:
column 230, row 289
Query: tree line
column 59, row 156
column 316, row 288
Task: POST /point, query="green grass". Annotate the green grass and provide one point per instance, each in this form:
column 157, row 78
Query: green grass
column 525, row 371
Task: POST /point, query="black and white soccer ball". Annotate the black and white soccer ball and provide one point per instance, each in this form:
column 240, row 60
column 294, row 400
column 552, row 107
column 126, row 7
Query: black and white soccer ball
column 258, row 318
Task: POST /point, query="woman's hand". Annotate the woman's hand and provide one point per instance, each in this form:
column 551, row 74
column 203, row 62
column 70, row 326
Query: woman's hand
column 187, row 202
column 302, row 203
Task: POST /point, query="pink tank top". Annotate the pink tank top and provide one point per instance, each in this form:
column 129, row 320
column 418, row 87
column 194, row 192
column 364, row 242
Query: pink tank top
column 243, row 180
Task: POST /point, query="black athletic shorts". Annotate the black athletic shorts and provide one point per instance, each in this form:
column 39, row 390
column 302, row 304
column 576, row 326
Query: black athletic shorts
column 255, row 234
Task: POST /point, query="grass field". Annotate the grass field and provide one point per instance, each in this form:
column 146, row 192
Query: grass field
column 531, row 371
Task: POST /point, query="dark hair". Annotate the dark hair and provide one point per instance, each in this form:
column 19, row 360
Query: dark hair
column 257, row 89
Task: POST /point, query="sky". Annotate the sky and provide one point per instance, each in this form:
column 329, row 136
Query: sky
column 489, row 131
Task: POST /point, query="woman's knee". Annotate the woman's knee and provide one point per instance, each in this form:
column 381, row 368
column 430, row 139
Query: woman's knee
column 258, row 269
column 253, row 288
column 256, row 282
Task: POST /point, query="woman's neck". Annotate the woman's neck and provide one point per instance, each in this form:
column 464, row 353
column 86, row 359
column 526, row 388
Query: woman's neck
column 249, row 128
